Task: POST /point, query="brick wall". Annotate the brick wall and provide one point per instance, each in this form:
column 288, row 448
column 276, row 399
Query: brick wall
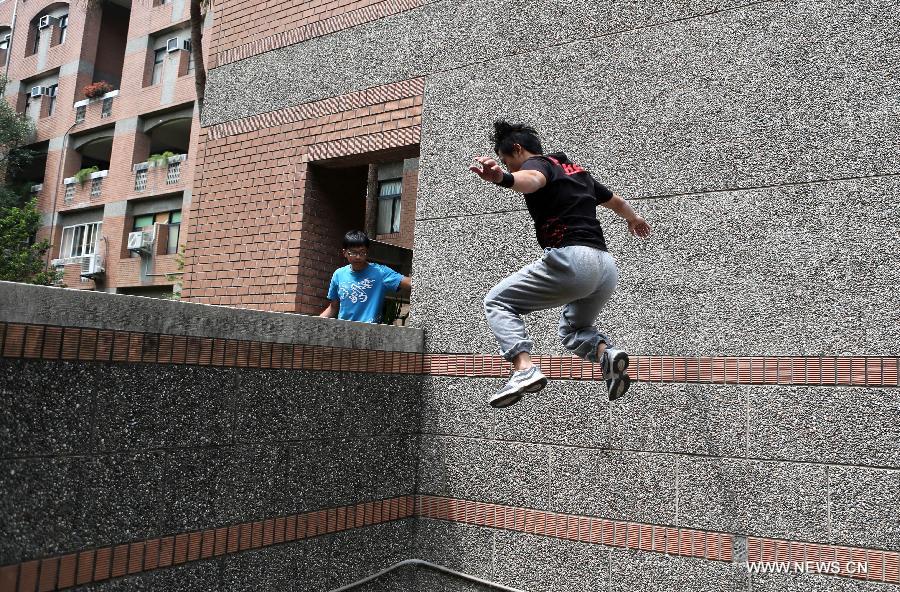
column 272, row 201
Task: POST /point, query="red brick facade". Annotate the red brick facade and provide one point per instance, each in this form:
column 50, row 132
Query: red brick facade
column 119, row 46
column 277, row 191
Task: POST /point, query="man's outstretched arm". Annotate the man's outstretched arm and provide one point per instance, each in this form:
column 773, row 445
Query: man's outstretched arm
column 636, row 223
column 527, row 181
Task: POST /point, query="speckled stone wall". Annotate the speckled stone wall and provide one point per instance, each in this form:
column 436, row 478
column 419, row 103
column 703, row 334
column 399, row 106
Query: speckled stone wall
column 760, row 141
column 111, row 453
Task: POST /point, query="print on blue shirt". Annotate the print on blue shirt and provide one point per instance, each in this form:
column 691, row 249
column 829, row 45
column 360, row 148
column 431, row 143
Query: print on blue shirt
column 362, row 292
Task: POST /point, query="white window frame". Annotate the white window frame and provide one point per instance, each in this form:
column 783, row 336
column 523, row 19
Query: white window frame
column 63, row 24
column 89, row 239
column 396, row 200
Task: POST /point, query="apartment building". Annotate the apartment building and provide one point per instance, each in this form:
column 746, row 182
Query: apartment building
column 111, row 92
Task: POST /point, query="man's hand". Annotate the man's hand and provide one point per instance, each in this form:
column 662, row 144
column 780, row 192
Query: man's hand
column 489, row 170
column 638, row 227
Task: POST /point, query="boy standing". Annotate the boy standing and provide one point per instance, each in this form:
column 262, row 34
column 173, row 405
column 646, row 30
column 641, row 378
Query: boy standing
column 357, row 290
column 575, row 272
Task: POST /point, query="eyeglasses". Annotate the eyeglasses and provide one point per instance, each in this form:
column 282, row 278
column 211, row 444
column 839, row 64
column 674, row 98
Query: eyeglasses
column 362, row 253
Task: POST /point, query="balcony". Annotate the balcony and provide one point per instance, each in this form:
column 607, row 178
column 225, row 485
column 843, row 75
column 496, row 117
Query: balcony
column 92, row 111
column 160, row 174
column 85, row 188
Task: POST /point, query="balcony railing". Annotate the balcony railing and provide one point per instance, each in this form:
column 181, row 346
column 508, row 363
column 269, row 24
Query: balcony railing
column 106, row 106
column 147, row 175
column 91, row 189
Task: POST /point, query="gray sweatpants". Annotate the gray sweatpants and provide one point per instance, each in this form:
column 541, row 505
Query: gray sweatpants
column 581, row 278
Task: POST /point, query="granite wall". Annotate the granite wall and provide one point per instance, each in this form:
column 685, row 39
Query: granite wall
column 170, row 459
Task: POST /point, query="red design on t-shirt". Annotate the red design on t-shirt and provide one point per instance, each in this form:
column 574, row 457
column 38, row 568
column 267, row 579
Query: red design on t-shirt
column 568, row 168
column 551, row 233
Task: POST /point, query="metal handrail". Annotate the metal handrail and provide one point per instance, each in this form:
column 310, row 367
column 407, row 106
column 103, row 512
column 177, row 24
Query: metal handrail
column 429, row 565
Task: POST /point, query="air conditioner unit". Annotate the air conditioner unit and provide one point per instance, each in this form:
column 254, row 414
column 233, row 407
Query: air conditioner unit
column 172, row 45
column 45, row 21
column 36, row 91
column 57, row 262
column 140, row 241
column 91, row 266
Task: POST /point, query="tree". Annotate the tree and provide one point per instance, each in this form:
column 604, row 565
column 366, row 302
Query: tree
column 21, row 257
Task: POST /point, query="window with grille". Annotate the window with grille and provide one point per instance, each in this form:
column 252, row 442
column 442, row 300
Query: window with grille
column 140, row 180
column 70, row 192
column 80, row 240
column 106, row 108
column 173, row 173
column 388, row 221
column 80, row 112
column 96, row 185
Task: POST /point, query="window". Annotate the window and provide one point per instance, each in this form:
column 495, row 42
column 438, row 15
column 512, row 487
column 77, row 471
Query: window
column 28, row 101
column 51, row 98
column 70, row 192
column 37, row 40
column 80, row 240
column 96, row 186
column 142, row 222
column 159, row 58
column 63, row 25
column 106, row 109
column 190, row 59
column 389, row 206
column 174, row 231
column 4, row 42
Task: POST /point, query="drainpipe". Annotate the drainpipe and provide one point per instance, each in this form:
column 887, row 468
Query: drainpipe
column 62, row 155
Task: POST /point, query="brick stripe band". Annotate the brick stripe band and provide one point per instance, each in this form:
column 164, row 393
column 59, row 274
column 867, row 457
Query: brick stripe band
column 48, row 342
column 883, row 566
column 369, row 97
column 98, row 565
column 319, row 28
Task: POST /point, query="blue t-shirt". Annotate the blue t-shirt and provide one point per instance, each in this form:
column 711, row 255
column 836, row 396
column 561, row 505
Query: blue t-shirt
column 362, row 292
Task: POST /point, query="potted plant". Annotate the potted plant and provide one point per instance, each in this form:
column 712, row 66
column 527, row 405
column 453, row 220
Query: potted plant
column 97, row 89
column 83, row 175
column 156, row 160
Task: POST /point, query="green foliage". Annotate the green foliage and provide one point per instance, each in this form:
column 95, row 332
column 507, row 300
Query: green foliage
column 156, row 160
column 15, row 131
column 21, row 258
column 83, row 175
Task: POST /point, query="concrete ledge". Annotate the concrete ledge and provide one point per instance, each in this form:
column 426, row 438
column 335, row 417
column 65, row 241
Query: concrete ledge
column 24, row 303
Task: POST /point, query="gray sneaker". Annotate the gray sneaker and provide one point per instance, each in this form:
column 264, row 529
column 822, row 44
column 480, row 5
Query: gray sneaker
column 614, row 364
column 521, row 382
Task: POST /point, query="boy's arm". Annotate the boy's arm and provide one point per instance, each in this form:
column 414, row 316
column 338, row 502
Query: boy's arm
column 331, row 311
column 405, row 286
column 636, row 224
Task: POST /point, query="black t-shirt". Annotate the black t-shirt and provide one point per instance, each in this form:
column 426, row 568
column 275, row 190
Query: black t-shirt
column 565, row 209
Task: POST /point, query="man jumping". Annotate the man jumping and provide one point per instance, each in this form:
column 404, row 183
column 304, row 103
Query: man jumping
column 575, row 272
